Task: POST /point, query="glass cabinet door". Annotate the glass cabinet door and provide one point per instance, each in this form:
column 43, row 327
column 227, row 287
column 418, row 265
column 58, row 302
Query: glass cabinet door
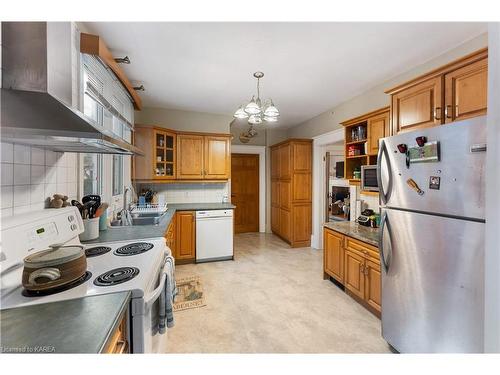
column 164, row 156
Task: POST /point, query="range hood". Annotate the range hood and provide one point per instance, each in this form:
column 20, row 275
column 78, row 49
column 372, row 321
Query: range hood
column 36, row 93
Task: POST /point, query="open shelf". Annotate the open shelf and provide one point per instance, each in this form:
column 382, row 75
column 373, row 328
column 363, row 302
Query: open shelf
column 356, row 142
column 356, row 156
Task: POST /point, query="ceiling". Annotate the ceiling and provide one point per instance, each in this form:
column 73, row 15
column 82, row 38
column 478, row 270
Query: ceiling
column 309, row 67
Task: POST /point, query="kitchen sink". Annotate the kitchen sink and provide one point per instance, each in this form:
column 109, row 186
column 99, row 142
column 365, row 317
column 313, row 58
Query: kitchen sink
column 142, row 219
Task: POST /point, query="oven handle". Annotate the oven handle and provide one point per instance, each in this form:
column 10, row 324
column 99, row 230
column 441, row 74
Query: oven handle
column 155, row 294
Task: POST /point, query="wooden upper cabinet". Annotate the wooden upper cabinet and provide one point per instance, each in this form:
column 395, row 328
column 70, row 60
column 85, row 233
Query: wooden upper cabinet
column 190, row 164
column 418, row 107
column 333, row 256
column 378, row 127
column 453, row 92
column 217, row 157
column 466, row 91
column 302, row 157
column 185, row 242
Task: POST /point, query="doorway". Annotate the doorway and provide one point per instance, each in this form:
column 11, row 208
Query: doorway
column 245, row 192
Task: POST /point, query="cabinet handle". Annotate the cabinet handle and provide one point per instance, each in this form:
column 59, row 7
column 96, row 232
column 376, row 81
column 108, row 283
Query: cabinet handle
column 436, row 117
column 447, row 111
column 365, row 270
column 362, row 268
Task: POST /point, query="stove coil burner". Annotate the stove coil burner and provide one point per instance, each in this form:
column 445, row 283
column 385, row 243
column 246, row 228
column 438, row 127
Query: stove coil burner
column 39, row 293
column 95, row 251
column 133, row 248
column 116, row 276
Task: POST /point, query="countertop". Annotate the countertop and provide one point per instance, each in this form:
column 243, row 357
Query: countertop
column 135, row 232
column 354, row 230
column 81, row 325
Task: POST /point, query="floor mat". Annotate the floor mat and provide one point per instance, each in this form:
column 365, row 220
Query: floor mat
column 190, row 293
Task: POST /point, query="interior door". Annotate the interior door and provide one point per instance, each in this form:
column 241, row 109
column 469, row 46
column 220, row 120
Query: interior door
column 418, row 106
column 432, row 282
column 245, row 192
column 217, row 154
column 190, row 157
column 467, row 91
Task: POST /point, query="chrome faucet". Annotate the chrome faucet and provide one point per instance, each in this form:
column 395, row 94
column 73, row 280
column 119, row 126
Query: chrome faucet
column 125, row 217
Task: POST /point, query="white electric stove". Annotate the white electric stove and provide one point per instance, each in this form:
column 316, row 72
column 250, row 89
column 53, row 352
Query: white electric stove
column 136, row 266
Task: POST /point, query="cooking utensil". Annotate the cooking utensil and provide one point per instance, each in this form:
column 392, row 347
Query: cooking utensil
column 54, row 267
column 87, row 209
column 101, row 209
column 92, row 197
column 78, row 205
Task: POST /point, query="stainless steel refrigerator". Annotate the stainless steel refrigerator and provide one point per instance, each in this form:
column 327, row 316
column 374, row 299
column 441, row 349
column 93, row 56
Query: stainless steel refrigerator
column 432, row 238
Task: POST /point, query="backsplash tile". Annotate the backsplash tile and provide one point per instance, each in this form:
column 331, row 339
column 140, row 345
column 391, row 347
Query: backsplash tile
column 190, row 193
column 31, row 175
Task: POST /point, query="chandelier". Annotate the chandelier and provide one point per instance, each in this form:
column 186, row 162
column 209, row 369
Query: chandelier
column 255, row 111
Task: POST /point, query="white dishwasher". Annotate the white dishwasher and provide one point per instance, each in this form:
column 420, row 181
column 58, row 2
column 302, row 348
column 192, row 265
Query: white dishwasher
column 214, row 235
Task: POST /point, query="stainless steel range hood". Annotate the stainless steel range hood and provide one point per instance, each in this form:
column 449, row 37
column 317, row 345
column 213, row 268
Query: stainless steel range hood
column 36, row 93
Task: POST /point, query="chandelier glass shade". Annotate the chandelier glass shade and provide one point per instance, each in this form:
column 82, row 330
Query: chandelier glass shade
column 255, row 111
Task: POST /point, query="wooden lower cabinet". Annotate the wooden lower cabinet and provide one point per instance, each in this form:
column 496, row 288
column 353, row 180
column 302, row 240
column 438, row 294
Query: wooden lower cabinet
column 354, row 274
column 118, row 342
column 184, row 241
column 333, row 256
column 355, row 265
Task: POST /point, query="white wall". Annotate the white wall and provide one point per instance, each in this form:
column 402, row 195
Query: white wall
column 492, row 250
column 184, row 120
column 376, row 98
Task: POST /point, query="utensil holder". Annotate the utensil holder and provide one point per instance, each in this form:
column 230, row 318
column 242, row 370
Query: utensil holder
column 91, row 229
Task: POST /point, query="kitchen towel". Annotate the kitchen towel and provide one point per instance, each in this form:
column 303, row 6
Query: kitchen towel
column 167, row 296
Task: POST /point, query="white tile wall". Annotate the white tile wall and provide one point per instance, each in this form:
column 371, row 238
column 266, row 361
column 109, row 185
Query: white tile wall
column 31, row 175
column 190, row 193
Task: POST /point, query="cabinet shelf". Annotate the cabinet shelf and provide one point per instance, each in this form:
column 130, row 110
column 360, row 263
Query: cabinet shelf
column 356, row 156
column 356, row 142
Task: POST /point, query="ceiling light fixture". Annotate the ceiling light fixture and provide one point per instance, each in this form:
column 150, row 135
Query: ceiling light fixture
column 255, row 111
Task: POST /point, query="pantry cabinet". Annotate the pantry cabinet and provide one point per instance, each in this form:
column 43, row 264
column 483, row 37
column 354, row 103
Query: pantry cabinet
column 450, row 93
column 291, row 190
column 171, row 156
column 356, row 266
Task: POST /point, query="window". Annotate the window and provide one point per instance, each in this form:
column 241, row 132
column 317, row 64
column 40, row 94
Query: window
column 92, row 174
column 117, row 174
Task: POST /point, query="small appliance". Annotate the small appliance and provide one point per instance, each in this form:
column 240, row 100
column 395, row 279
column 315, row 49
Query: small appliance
column 369, row 178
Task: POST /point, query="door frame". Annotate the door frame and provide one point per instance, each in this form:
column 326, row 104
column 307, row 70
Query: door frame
column 261, row 151
column 320, row 143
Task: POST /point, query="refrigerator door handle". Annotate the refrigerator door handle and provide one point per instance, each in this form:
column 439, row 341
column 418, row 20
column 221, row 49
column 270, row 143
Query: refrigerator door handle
column 383, row 154
column 384, row 222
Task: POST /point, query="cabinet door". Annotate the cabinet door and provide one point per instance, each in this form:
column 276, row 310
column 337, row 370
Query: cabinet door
column 302, row 157
column 466, row 91
column 285, row 194
column 275, row 219
column 163, row 155
column 275, row 162
column 372, row 285
column 377, row 129
column 190, row 156
column 333, row 260
column 419, row 106
column 217, row 158
column 354, row 278
column 185, row 235
column 285, row 161
column 284, row 224
column 275, row 193
column 301, row 223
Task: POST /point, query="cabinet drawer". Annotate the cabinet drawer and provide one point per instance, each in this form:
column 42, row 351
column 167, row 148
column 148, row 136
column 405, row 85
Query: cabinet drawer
column 362, row 249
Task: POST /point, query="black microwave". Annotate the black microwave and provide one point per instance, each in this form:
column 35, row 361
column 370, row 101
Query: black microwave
column 369, row 178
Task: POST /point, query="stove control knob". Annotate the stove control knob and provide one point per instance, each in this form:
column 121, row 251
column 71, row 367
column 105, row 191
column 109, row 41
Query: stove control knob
column 71, row 218
column 73, row 227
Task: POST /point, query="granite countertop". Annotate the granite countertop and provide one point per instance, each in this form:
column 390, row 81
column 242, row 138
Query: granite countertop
column 82, row 325
column 354, row 230
column 136, row 232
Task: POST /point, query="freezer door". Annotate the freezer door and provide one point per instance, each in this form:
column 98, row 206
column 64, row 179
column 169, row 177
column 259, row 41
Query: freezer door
column 461, row 171
column 432, row 283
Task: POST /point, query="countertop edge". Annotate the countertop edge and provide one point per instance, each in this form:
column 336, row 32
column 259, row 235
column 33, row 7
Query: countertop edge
column 349, row 233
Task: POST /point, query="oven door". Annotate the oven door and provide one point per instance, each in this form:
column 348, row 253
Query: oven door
column 145, row 319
